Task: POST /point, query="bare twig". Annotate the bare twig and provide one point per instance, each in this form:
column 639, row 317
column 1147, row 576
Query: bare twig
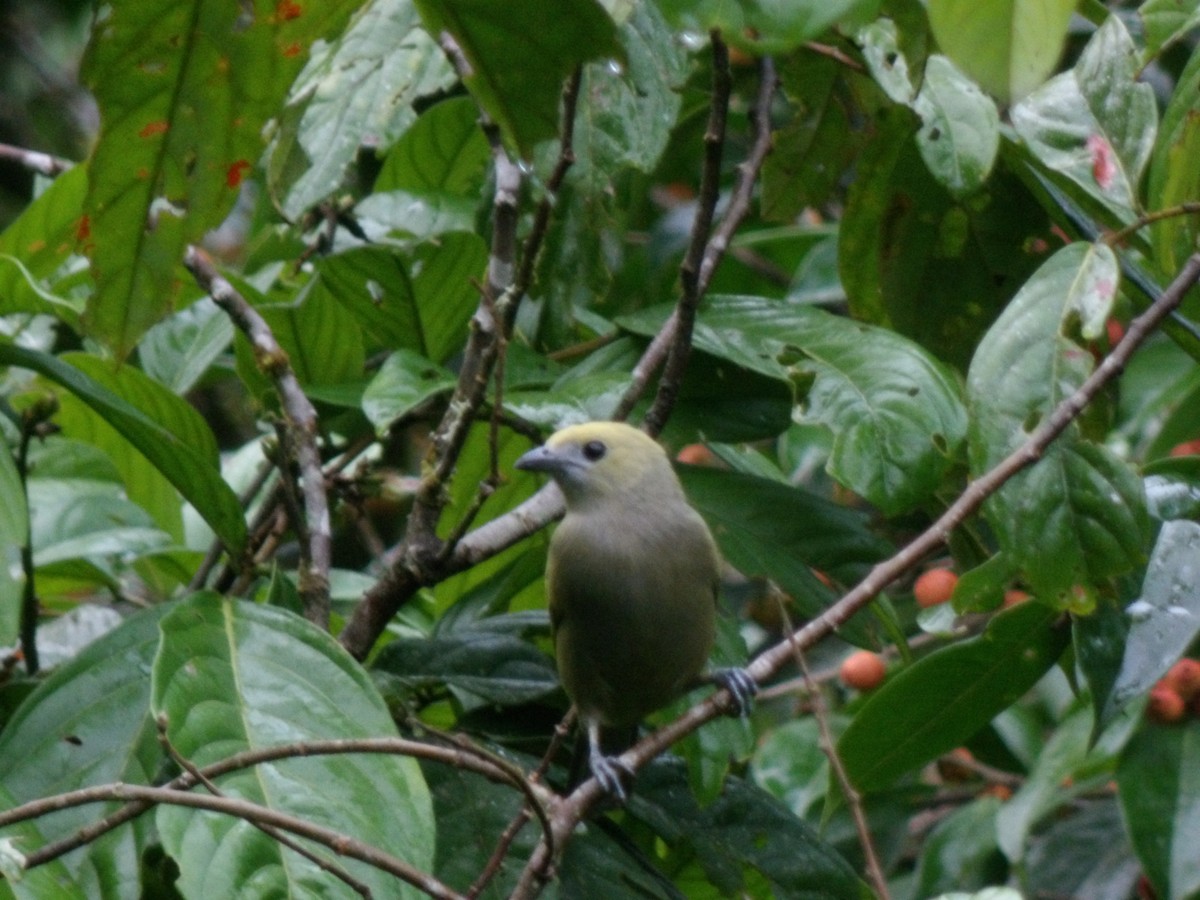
column 829, row 748
column 341, row 844
column 270, row 830
column 689, row 272
column 42, row 163
column 1118, row 237
column 299, row 435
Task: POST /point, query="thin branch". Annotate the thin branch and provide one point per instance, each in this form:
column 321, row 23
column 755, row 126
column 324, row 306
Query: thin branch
column 450, row 756
column 573, row 808
column 42, row 163
column 270, row 831
column 829, row 747
column 689, row 271
column 423, row 560
column 299, row 435
column 35, row 422
column 1115, row 238
column 342, row 844
column 735, row 213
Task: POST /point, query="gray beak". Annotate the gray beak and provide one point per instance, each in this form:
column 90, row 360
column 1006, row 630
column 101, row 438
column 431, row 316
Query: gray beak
column 540, row 459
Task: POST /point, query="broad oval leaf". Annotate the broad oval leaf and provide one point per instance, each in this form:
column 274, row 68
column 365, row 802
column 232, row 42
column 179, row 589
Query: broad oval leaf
column 1008, row 46
column 960, row 130
column 937, row 703
column 14, row 534
column 403, row 382
column 180, row 446
column 516, row 70
column 184, row 91
column 233, row 676
column 1079, row 513
column 895, row 412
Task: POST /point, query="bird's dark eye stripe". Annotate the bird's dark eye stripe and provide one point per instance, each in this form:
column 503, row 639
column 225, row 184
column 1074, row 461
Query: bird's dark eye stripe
column 594, row 450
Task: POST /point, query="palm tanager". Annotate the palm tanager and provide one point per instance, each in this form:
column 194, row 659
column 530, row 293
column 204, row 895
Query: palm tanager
column 632, row 579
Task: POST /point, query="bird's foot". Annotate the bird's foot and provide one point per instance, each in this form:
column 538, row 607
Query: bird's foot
column 741, row 686
column 612, row 774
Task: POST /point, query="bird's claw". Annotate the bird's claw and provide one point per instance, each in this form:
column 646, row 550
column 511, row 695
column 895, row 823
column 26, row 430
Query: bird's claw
column 612, row 774
column 741, row 686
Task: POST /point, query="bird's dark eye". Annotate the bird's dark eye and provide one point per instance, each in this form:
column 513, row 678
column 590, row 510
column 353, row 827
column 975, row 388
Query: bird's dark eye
column 594, row 450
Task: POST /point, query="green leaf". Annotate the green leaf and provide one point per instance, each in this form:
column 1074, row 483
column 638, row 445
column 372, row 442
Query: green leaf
column 960, row 854
column 403, row 382
column 762, row 26
column 1160, row 796
column 175, row 440
column 444, row 154
column 1095, row 125
column 1079, row 513
column 35, row 247
column 743, row 830
column 14, row 534
column 895, row 412
column 1173, row 178
column 516, row 70
column 494, row 667
column 906, row 247
column 49, row 880
column 790, row 765
column 356, row 90
column 420, row 303
column 1165, row 619
column 770, row 529
column 960, row 130
column 184, row 91
column 233, row 676
column 1167, row 21
column 939, row 702
column 179, row 351
column 88, row 724
column 1008, row 46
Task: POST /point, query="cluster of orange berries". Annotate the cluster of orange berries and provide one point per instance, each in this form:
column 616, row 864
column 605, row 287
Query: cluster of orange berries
column 865, row 671
column 1177, row 693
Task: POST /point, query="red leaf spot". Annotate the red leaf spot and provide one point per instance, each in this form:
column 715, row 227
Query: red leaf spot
column 143, row 173
column 83, row 230
column 35, row 246
column 293, row 49
column 236, row 172
column 150, row 129
column 286, row 10
column 1104, row 165
column 1105, row 288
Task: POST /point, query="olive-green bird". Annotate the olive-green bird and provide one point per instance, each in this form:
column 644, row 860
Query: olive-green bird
column 632, row 580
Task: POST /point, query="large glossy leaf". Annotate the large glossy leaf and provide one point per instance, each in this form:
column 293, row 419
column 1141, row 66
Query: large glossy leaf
column 1167, row 21
column 1008, row 46
column 403, row 382
column 37, row 244
column 171, row 436
column 234, row 676
column 781, row 532
column 517, row 69
column 766, row 27
column 1160, row 796
column 1079, row 513
column 356, row 90
column 1095, row 125
column 1165, row 619
column 939, row 702
column 184, row 90
column 895, row 412
column 88, row 724
column 960, row 852
column 51, row 880
column 179, row 351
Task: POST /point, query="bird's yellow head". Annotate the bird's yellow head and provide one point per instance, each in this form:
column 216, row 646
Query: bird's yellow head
column 599, row 461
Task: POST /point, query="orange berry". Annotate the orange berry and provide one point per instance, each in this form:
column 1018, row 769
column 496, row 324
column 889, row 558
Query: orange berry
column 1001, row 792
column 1165, row 704
column 1115, row 330
column 934, row 587
column 863, row 670
column 1187, row 448
column 1184, row 678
